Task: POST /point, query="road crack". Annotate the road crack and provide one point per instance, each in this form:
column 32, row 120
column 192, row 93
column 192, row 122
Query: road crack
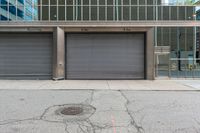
column 139, row 129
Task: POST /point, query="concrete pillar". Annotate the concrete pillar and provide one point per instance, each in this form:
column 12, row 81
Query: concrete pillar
column 150, row 59
column 58, row 53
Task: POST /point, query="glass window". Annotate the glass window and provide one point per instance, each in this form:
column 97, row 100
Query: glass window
column 182, row 13
column 3, row 18
column 142, row 13
column 150, row 13
column 118, row 12
column 85, row 13
column 94, row 2
column 93, row 13
column 79, row 13
column 61, row 13
column 110, row 13
column 125, row 2
column 104, row 9
column 53, row 2
column 85, row 2
column 20, row 13
column 102, row 13
column 190, row 38
column 109, row 2
column 166, row 37
column 101, row 2
column 174, row 39
column 21, row 1
column 160, row 13
column 69, row 13
column 150, row 2
column 184, row 55
column 45, row 2
column 61, row 2
column 190, row 13
column 159, row 37
column 165, row 12
column 142, row 2
column 3, row 2
column 5, row 8
column 53, row 13
column 126, row 13
column 134, row 12
column 134, row 2
column 45, row 13
column 69, row 2
column 174, row 12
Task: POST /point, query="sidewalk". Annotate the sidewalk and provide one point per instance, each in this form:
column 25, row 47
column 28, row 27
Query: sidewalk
column 102, row 84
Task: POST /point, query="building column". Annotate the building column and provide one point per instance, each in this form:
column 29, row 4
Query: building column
column 58, row 53
column 150, row 58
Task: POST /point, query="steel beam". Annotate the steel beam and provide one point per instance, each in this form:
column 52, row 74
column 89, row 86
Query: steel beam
column 103, row 24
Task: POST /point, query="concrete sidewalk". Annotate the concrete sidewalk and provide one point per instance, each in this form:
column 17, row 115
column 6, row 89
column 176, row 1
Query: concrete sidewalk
column 102, row 84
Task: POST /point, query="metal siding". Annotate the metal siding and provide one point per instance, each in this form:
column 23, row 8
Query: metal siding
column 25, row 56
column 105, row 56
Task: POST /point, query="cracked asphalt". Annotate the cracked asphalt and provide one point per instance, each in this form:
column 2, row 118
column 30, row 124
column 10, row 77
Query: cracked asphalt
column 120, row 111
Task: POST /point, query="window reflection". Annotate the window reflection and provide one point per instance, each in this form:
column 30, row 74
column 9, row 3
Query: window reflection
column 18, row 10
column 180, row 2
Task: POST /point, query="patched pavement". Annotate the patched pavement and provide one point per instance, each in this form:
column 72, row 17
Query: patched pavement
column 99, row 111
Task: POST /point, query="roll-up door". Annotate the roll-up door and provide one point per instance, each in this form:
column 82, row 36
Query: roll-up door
column 25, row 56
column 105, row 56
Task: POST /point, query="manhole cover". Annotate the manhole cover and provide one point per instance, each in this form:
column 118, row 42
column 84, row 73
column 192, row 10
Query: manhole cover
column 71, row 110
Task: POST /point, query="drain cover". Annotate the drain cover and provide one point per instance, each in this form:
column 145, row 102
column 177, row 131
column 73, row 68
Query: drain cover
column 71, row 110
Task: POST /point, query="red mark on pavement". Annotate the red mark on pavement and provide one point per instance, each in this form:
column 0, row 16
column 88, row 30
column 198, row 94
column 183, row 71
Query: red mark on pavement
column 113, row 124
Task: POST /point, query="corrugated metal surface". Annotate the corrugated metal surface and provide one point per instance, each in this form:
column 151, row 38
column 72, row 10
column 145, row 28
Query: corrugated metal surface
column 25, row 56
column 105, row 56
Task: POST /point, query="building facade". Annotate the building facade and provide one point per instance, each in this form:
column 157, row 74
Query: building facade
column 99, row 39
column 18, row 10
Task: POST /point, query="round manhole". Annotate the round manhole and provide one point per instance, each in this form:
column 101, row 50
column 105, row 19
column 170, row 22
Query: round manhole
column 74, row 110
column 71, row 110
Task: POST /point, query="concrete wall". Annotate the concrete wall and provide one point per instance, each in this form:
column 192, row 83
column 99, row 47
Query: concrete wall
column 58, row 53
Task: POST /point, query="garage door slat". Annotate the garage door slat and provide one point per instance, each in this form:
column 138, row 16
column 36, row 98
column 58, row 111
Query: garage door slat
column 25, row 56
column 105, row 56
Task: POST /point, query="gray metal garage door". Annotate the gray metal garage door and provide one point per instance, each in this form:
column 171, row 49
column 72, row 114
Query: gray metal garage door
column 105, row 56
column 25, row 56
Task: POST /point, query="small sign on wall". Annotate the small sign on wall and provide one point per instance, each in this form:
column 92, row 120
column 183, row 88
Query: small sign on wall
column 162, row 49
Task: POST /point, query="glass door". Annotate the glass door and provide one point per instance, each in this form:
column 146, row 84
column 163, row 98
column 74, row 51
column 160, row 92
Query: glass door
column 162, row 65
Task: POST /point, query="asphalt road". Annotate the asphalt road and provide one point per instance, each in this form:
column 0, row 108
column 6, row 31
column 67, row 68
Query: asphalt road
column 99, row 111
